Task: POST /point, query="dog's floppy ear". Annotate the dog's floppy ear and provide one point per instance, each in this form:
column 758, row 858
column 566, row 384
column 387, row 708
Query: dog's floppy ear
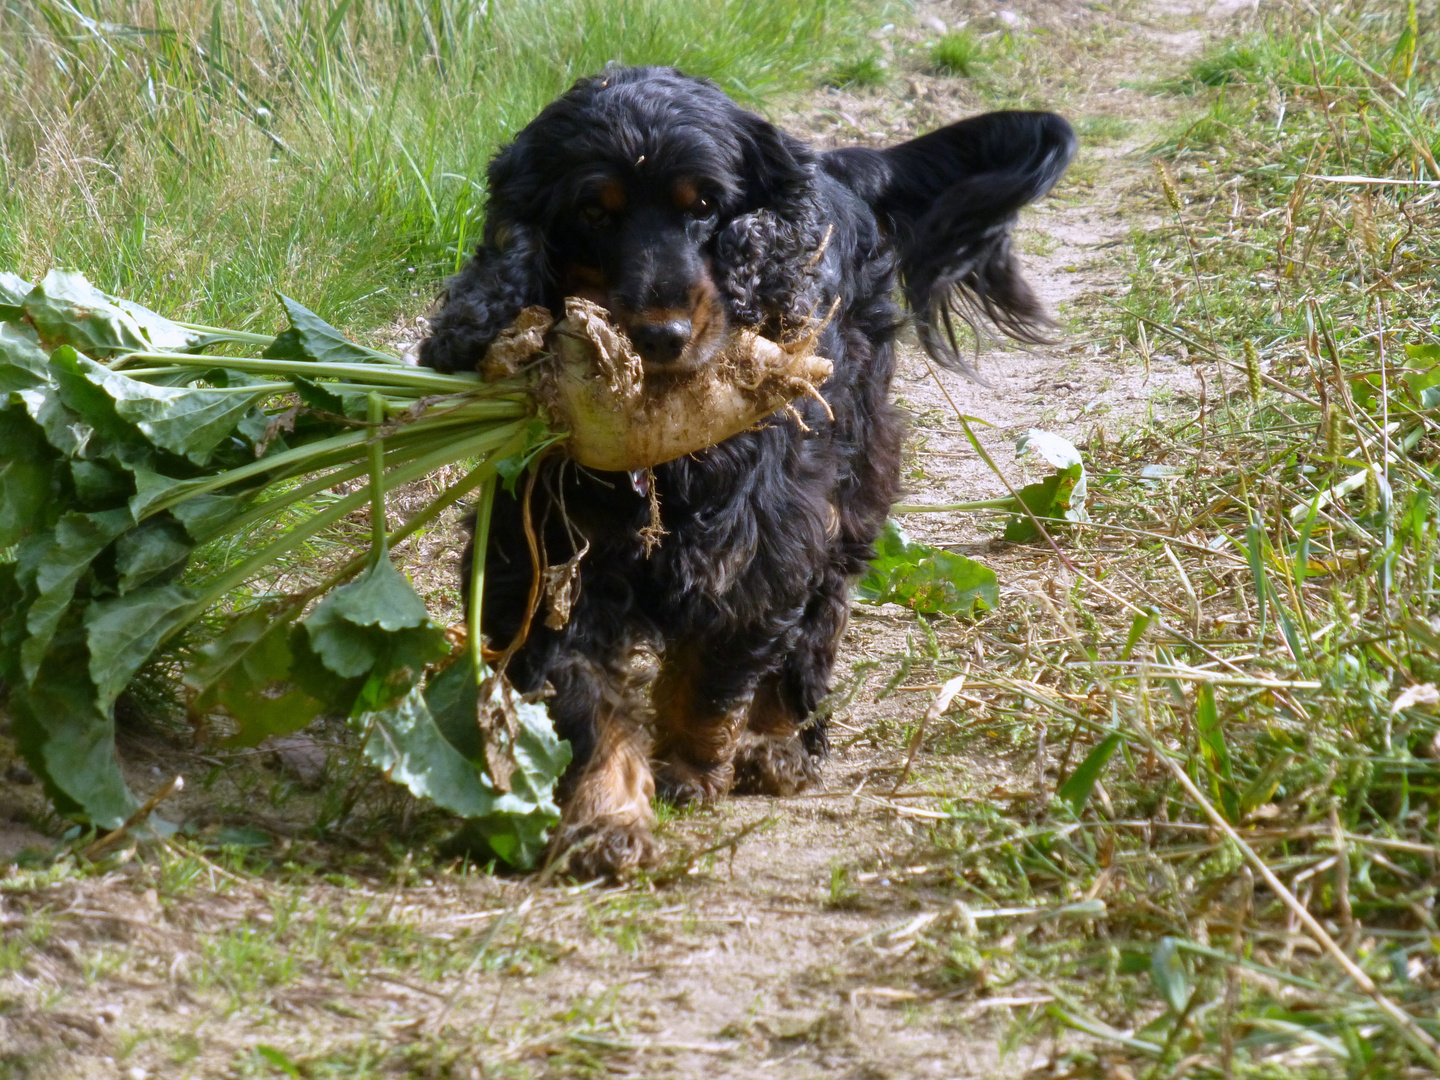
column 504, row 276
column 766, row 263
column 779, row 169
column 508, row 271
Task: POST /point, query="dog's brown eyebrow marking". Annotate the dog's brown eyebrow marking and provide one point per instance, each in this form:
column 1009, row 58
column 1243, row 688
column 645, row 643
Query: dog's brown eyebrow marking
column 684, row 194
column 587, row 275
column 612, row 196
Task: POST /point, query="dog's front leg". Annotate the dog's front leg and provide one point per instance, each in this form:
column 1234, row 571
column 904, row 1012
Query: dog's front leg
column 701, row 702
column 784, row 743
column 606, row 820
column 605, row 829
column 772, row 757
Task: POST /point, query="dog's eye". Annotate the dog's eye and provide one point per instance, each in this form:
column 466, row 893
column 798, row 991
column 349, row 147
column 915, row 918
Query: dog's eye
column 701, row 207
column 593, row 214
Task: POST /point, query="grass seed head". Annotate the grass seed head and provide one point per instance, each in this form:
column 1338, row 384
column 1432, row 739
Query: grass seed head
column 1363, row 219
column 1252, row 371
column 1167, row 185
column 1334, row 428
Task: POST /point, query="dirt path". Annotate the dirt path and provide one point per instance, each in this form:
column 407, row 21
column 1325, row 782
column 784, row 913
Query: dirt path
column 771, row 965
column 770, row 959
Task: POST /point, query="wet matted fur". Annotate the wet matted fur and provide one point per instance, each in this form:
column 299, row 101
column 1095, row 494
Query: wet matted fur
column 695, row 666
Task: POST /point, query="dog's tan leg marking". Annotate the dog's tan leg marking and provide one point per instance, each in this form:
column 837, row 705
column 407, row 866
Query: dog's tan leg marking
column 771, row 759
column 606, row 820
column 694, row 746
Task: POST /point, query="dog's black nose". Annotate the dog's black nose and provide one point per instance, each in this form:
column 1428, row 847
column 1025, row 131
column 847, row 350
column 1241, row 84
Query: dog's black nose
column 661, row 342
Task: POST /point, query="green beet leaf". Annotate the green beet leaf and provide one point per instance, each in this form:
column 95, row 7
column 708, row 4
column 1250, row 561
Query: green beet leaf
column 313, row 395
column 312, row 338
column 63, row 429
column 124, row 631
column 67, row 738
column 99, row 485
column 370, row 641
column 67, row 310
column 408, row 744
column 13, row 291
column 930, row 580
column 184, row 420
column 247, row 672
column 540, row 755
column 155, row 548
column 53, row 562
column 205, row 516
column 29, row 478
column 98, row 428
column 152, row 487
column 23, row 363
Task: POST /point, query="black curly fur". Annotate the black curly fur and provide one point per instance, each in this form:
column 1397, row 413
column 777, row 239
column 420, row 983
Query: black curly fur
column 765, row 532
column 949, row 200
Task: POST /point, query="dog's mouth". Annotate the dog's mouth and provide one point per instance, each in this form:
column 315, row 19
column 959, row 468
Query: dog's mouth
column 696, row 355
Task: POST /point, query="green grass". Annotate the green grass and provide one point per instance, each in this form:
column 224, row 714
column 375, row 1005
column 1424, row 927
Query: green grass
column 960, row 53
column 1101, row 130
column 196, row 155
column 867, row 70
column 1261, row 59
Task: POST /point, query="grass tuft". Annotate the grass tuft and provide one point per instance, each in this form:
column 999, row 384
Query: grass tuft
column 960, row 53
column 869, row 70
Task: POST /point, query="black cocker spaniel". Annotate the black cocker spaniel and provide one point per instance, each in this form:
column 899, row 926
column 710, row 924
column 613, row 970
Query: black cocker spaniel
column 696, row 666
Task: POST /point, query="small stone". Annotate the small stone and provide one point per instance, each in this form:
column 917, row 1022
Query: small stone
column 300, row 756
column 19, row 774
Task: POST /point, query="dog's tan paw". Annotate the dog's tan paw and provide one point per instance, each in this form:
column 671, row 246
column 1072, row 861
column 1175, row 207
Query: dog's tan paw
column 605, row 850
column 683, row 783
column 774, row 765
